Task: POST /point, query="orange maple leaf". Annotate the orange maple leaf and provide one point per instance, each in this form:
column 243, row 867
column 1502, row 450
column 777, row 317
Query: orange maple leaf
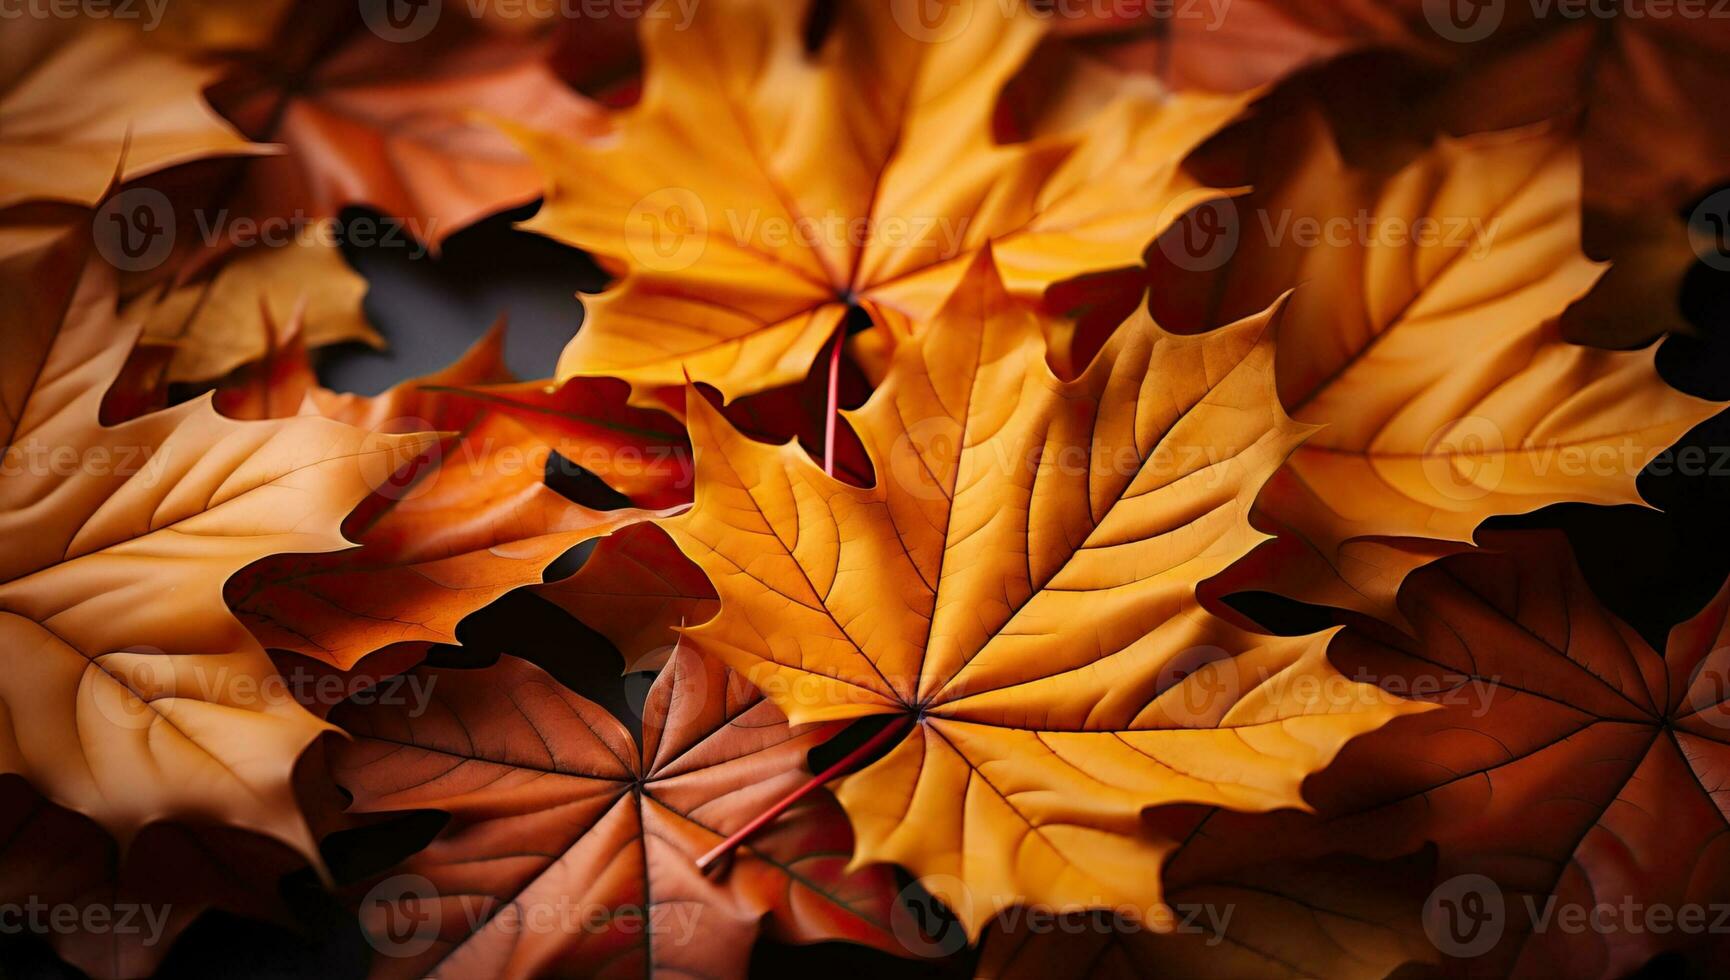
column 1020, row 582
column 458, row 526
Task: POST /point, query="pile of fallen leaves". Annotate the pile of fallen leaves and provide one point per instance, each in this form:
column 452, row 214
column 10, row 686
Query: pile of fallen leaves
column 990, row 402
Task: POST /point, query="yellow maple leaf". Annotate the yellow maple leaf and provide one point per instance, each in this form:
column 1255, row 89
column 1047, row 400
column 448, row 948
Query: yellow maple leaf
column 759, row 189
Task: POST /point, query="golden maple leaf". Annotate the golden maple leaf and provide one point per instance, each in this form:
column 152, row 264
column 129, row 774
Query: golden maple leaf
column 744, row 221
column 131, row 693
column 1020, row 582
column 1424, row 336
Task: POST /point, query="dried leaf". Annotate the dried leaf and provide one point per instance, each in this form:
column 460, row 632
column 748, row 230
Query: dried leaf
column 458, row 526
column 558, row 818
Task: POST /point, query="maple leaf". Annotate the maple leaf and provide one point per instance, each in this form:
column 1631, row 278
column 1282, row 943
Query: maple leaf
column 1020, row 581
column 745, row 224
column 82, row 103
column 1570, row 765
column 136, row 696
column 1424, row 334
column 553, row 807
column 397, row 127
column 458, row 527
column 214, row 320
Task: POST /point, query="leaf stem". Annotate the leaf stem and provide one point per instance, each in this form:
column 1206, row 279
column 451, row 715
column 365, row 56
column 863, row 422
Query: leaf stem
column 846, row 762
column 834, row 402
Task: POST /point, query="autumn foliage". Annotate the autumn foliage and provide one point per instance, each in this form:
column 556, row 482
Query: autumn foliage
column 1045, row 489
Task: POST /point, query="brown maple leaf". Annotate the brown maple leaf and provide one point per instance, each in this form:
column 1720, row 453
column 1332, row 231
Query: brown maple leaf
column 135, row 695
column 559, row 818
column 461, row 525
column 743, row 224
column 360, row 121
column 1570, row 767
column 1020, row 582
column 402, row 127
